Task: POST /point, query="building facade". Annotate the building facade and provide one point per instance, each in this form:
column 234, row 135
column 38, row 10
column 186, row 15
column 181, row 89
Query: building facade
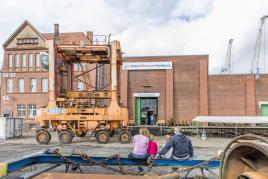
column 165, row 88
column 156, row 89
column 24, row 78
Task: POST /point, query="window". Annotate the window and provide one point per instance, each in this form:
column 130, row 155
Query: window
column 44, row 58
column 26, row 41
column 31, row 110
column 10, row 60
column 23, row 60
column 20, row 85
column 21, row 110
column 82, row 66
column 80, row 86
column 75, row 66
column 33, row 85
column 9, row 85
column 44, row 85
column 37, row 60
column 30, row 60
column 17, row 60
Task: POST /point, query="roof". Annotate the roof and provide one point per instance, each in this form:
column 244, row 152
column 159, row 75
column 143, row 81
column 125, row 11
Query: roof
column 68, row 38
column 167, row 56
column 22, row 26
column 232, row 119
column 65, row 38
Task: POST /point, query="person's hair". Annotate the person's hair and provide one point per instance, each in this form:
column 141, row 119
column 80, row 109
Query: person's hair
column 177, row 130
column 147, row 132
column 167, row 137
column 151, row 137
column 144, row 131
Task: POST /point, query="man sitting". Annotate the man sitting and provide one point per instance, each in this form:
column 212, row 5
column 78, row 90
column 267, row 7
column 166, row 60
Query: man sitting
column 182, row 146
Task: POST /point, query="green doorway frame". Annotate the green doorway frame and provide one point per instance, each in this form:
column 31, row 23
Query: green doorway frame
column 137, row 110
column 264, row 109
column 139, row 104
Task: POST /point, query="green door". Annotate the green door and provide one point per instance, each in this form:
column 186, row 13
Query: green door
column 137, row 110
column 264, row 109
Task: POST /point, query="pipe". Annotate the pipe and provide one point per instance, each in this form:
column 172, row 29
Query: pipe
column 245, row 156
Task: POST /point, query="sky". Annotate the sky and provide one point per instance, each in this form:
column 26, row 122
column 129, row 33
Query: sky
column 153, row 27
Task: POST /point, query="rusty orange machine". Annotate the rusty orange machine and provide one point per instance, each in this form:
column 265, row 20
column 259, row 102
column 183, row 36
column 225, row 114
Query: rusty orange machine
column 77, row 113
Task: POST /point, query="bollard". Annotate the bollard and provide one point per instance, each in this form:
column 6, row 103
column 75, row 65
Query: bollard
column 204, row 135
column 3, row 169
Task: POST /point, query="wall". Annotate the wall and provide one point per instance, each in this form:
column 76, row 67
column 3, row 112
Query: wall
column 153, row 78
column 186, row 87
column 27, row 32
column 227, row 95
column 261, row 91
column 185, row 81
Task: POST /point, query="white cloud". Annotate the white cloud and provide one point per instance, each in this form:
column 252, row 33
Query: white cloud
column 170, row 27
column 208, row 34
column 192, row 8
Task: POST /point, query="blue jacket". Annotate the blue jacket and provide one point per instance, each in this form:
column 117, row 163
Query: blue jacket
column 182, row 146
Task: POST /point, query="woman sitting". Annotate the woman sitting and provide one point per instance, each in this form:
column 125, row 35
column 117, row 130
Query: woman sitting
column 140, row 144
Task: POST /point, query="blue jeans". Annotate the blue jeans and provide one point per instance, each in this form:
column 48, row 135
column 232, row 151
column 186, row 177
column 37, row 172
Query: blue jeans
column 135, row 156
column 182, row 158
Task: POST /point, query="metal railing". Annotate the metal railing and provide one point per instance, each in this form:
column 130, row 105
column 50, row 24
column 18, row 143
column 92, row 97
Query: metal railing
column 99, row 40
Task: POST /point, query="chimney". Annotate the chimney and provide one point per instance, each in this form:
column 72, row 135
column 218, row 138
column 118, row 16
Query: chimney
column 56, row 31
column 90, row 36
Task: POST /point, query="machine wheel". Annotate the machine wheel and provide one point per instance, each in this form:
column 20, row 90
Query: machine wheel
column 102, row 137
column 65, row 137
column 83, row 134
column 124, row 137
column 42, row 137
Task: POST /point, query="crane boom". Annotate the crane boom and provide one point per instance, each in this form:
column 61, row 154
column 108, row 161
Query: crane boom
column 228, row 63
column 255, row 61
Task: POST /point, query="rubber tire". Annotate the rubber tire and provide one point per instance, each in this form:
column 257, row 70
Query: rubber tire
column 45, row 133
column 124, row 132
column 68, row 133
column 99, row 134
column 83, row 134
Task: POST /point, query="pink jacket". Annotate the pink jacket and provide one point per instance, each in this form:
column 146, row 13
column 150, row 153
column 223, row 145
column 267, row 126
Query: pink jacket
column 152, row 148
column 140, row 143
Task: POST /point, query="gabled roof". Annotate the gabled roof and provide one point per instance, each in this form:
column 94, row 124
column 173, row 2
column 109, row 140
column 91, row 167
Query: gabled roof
column 20, row 28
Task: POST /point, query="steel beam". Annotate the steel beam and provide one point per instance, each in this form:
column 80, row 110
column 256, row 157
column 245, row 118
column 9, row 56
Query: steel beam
column 42, row 158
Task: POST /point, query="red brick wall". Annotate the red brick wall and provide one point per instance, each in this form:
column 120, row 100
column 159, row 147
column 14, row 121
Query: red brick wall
column 261, row 91
column 154, row 78
column 186, row 85
column 169, row 95
column 227, row 95
column 39, row 98
column 203, row 102
column 250, row 96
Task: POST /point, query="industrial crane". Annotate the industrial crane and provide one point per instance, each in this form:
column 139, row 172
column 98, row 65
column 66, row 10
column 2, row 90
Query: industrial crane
column 255, row 62
column 227, row 69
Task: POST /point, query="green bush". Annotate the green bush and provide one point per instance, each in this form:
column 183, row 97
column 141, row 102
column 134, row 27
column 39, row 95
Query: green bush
column 194, row 123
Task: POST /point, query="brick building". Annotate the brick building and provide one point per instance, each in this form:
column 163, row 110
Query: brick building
column 175, row 92
column 165, row 88
column 24, row 78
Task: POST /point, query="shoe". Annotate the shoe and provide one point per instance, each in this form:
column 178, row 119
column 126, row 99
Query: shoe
column 140, row 169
